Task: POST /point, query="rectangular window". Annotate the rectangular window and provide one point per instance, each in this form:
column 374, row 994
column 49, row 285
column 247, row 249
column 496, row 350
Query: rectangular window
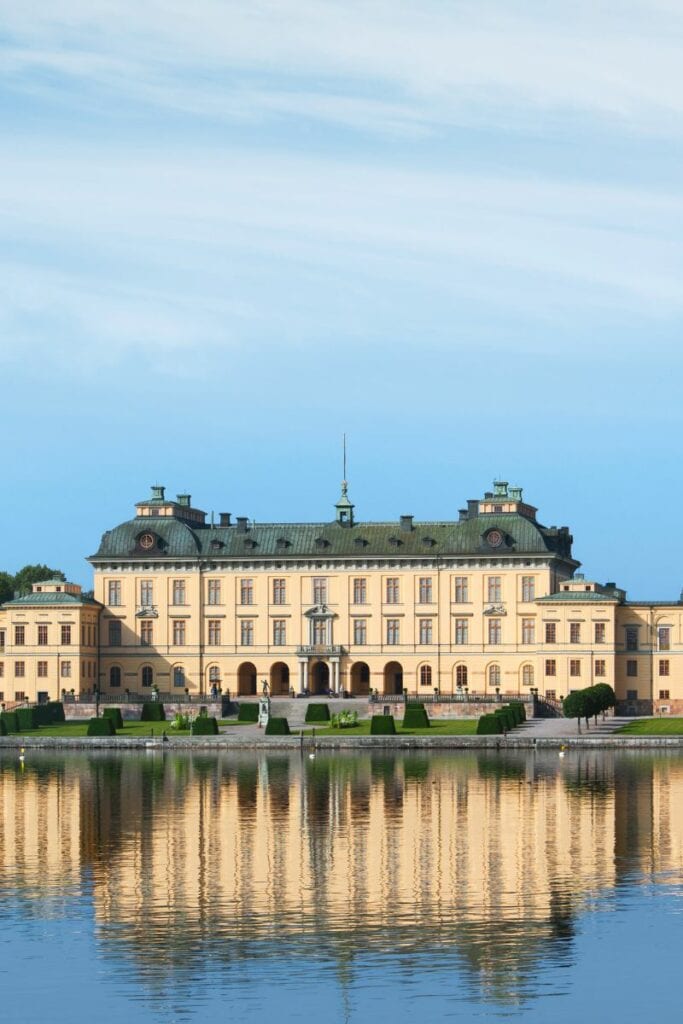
column 360, row 631
column 599, row 632
column 279, row 632
column 663, row 694
column 179, row 632
column 319, row 632
column 494, row 631
column 664, row 638
column 551, row 632
column 146, row 593
column 574, row 667
column 393, row 631
column 392, row 590
column 462, row 589
column 494, row 589
column 600, row 666
column 574, row 632
column 42, row 670
column 360, row 591
column 631, row 667
column 425, row 631
column 114, row 593
column 214, row 592
column 247, row 632
column 42, row 635
column 19, row 695
column 664, row 667
column 529, row 630
column 65, row 669
column 462, row 631
column 178, row 592
column 115, row 633
column 19, row 636
column 147, row 632
column 279, row 591
column 19, row 669
column 631, row 638
column 528, row 588
column 425, row 590
column 66, row 636
column 631, row 695
column 2, row 669
column 246, row 591
column 320, row 590
column 214, row 632
column 550, row 694
column 2, row 638
column 551, row 667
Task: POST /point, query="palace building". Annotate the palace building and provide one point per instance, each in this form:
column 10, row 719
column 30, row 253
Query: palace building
column 489, row 602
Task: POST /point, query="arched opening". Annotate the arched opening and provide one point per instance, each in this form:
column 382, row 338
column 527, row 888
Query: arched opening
column 320, row 678
column 425, row 675
column 178, row 678
column 360, row 678
column 461, row 677
column 147, row 676
column 393, row 677
column 246, row 680
column 494, row 676
column 115, row 676
column 279, row 679
column 213, row 680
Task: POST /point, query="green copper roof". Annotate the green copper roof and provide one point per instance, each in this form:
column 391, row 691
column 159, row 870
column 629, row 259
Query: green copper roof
column 578, row 596
column 52, row 599
column 175, row 538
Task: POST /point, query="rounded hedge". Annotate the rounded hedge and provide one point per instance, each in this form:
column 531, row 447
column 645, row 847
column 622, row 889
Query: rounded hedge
column 489, row 725
column 204, row 726
column 153, row 711
column 382, row 725
column 115, row 715
column 101, row 727
column 415, row 717
column 247, row 713
column 277, row 727
column 318, row 713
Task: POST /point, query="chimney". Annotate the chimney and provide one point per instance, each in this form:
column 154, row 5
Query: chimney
column 225, row 518
column 472, row 509
column 462, row 515
column 406, row 523
column 185, row 500
column 241, row 524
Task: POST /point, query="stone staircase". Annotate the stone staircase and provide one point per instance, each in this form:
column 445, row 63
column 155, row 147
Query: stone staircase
column 295, row 710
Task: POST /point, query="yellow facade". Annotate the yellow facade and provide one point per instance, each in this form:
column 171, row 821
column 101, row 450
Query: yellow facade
column 489, row 602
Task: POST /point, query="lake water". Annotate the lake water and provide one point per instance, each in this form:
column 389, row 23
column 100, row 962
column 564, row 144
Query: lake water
column 368, row 887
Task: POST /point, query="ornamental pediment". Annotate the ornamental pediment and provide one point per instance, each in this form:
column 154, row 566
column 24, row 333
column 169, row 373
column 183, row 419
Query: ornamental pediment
column 495, row 609
column 320, row 611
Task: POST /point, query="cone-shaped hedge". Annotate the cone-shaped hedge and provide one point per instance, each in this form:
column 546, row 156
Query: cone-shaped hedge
column 101, row 727
column 489, row 725
column 204, row 726
column 115, row 715
column 247, row 713
column 318, row 713
column 153, row 711
column 277, row 727
column 382, row 725
column 415, row 717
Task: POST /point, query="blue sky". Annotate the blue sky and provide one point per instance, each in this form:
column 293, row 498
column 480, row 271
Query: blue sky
column 231, row 231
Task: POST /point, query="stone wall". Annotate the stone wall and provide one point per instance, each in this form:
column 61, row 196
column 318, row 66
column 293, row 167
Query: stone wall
column 131, row 712
column 449, row 709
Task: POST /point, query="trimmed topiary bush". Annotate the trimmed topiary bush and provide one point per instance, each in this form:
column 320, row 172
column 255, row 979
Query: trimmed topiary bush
column 153, row 711
column 56, row 709
column 489, row 725
column 27, row 718
column 514, row 710
column 521, row 709
column 277, row 727
column 115, row 715
column 317, row 713
column 507, row 718
column 11, row 721
column 43, row 716
column 101, row 727
column 3, row 728
column 204, row 726
column 382, row 725
column 415, row 717
column 247, row 713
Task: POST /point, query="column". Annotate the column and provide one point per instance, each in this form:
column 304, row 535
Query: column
column 306, row 674
column 334, row 664
column 302, row 676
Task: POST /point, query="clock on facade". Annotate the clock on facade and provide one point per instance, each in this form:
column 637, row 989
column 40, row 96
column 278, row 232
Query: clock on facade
column 494, row 538
column 147, row 541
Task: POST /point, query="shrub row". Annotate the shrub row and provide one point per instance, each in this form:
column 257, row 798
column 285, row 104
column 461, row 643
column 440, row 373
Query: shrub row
column 3, row 728
column 247, row 713
column 318, row 713
column 503, row 719
column 11, row 721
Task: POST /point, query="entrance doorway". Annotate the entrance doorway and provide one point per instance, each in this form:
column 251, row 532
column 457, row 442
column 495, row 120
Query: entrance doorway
column 246, row 680
column 279, row 679
column 360, row 678
column 320, row 678
column 393, row 678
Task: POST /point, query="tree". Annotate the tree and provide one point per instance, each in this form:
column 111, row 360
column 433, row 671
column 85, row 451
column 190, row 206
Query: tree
column 574, row 706
column 31, row 574
column 6, row 587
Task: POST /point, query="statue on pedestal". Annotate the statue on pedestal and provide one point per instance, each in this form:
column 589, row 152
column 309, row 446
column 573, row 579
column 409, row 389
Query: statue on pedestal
column 264, row 706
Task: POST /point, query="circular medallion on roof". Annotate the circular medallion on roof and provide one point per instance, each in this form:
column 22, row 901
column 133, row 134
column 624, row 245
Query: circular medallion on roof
column 147, row 541
column 494, row 538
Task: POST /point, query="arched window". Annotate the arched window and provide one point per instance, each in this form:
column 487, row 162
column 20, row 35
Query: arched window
column 425, row 675
column 461, row 675
column 494, row 675
column 115, row 676
column 147, row 675
column 214, row 675
column 179, row 677
column 528, row 675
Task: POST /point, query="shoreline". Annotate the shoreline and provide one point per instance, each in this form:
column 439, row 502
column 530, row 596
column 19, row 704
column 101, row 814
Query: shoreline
column 333, row 743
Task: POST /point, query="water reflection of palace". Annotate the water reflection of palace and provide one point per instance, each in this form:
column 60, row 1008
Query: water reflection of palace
column 486, row 859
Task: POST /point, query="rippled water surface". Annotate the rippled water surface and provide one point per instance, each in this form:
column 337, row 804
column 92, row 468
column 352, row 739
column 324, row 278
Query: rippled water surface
column 249, row 887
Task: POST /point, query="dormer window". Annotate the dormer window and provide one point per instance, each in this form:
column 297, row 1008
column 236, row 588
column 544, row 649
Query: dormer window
column 320, row 542
column 216, row 545
column 249, row 543
column 282, row 542
column 395, row 542
column 428, row 542
column 360, row 542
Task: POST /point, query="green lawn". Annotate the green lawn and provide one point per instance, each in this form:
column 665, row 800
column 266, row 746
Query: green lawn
column 76, row 729
column 653, row 727
column 459, row 727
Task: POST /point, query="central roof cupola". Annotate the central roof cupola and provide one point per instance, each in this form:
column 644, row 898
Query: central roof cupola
column 344, row 507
